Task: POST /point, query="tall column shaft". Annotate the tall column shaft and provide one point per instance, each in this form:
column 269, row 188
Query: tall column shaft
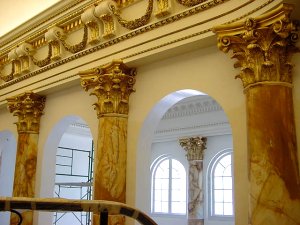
column 111, row 84
column 110, row 160
column 28, row 107
column 263, row 48
column 274, row 174
column 194, row 147
column 195, row 193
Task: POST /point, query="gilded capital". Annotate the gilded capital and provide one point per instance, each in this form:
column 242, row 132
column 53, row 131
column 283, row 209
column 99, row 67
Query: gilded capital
column 262, row 46
column 194, row 147
column 112, row 84
column 28, row 107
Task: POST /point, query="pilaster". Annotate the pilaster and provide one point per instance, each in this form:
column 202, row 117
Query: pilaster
column 112, row 85
column 263, row 48
column 194, row 147
column 28, row 107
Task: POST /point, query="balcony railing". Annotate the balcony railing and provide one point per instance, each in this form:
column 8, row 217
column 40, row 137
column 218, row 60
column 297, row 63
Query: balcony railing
column 100, row 207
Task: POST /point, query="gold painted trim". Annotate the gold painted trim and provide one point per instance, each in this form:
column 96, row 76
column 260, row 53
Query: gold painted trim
column 127, row 36
column 265, row 83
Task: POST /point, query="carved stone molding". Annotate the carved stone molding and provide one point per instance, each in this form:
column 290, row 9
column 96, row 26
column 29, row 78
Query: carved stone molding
column 163, row 8
column 28, row 107
column 112, row 84
column 190, row 3
column 263, row 47
column 194, row 147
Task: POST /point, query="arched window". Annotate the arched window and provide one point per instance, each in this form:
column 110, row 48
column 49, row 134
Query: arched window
column 221, row 185
column 168, row 187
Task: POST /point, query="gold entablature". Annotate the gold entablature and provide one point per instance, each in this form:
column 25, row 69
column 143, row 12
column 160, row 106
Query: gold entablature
column 263, row 46
column 28, row 107
column 194, row 147
column 111, row 84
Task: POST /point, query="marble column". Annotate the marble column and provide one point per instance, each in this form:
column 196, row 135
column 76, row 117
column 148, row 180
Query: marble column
column 112, row 85
column 194, row 147
column 263, row 48
column 28, row 107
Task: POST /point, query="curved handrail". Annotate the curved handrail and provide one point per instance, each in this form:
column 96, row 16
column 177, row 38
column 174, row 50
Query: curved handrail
column 55, row 204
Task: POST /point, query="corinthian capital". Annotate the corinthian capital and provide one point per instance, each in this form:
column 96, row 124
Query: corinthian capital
column 262, row 46
column 111, row 84
column 28, row 107
column 194, row 147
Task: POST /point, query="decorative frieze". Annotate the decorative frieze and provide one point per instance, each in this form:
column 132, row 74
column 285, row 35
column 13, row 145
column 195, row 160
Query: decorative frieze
column 28, row 107
column 163, row 8
column 263, row 47
column 111, row 84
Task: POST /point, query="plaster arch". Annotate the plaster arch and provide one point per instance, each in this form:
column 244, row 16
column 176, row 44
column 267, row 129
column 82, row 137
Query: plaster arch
column 49, row 156
column 146, row 139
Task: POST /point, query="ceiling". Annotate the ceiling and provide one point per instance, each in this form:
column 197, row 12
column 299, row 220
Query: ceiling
column 15, row 12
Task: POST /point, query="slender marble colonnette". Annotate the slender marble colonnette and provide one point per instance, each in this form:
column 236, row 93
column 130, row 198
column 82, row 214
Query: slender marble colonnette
column 194, row 147
column 111, row 84
column 28, row 107
column 264, row 47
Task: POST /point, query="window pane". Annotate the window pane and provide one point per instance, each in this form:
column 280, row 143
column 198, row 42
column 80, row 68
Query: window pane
column 227, row 171
column 164, row 207
column 219, row 196
column 226, row 160
column 157, row 206
column 169, row 189
column 227, row 196
column 218, row 208
column 218, row 183
column 227, row 182
column 222, row 185
column 219, row 170
column 228, row 211
column 178, row 207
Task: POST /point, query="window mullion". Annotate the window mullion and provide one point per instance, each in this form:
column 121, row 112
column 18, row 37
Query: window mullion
column 170, row 187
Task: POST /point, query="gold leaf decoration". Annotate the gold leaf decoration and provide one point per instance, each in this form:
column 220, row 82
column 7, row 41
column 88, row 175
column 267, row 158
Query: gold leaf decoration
column 190, row 3
column 133, row 24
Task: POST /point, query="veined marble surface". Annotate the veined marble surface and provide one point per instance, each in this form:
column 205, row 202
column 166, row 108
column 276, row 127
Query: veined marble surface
column 274, row 174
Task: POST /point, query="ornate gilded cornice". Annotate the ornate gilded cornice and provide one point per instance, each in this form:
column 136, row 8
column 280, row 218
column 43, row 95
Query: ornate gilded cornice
column 133, row 24
column 112, row 84
column 262, row 46
column 190, row 3
column 58, row 47
column 28, row 107
column 194, row 147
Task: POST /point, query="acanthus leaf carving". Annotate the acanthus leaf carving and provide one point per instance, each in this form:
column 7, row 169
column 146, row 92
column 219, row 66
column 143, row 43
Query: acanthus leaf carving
column 111, row 84
column 263, row 51
column 28, row 107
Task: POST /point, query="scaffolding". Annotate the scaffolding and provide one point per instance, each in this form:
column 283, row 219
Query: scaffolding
column 65, row 169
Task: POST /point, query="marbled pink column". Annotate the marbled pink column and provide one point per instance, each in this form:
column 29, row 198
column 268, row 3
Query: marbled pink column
column 264, row 47
column 112, row 84
column 28, row 107
column 194, row 147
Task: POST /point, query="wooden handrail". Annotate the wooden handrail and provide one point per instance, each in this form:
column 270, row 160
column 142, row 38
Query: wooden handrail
column 58, row 204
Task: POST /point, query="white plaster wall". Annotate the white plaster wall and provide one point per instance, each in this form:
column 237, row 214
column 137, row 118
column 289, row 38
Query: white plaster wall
column 206, row 70
column 8, row 147
column 215, row 144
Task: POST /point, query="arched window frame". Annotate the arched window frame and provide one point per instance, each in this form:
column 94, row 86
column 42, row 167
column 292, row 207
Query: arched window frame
column 154, row 166
column 211, row 185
